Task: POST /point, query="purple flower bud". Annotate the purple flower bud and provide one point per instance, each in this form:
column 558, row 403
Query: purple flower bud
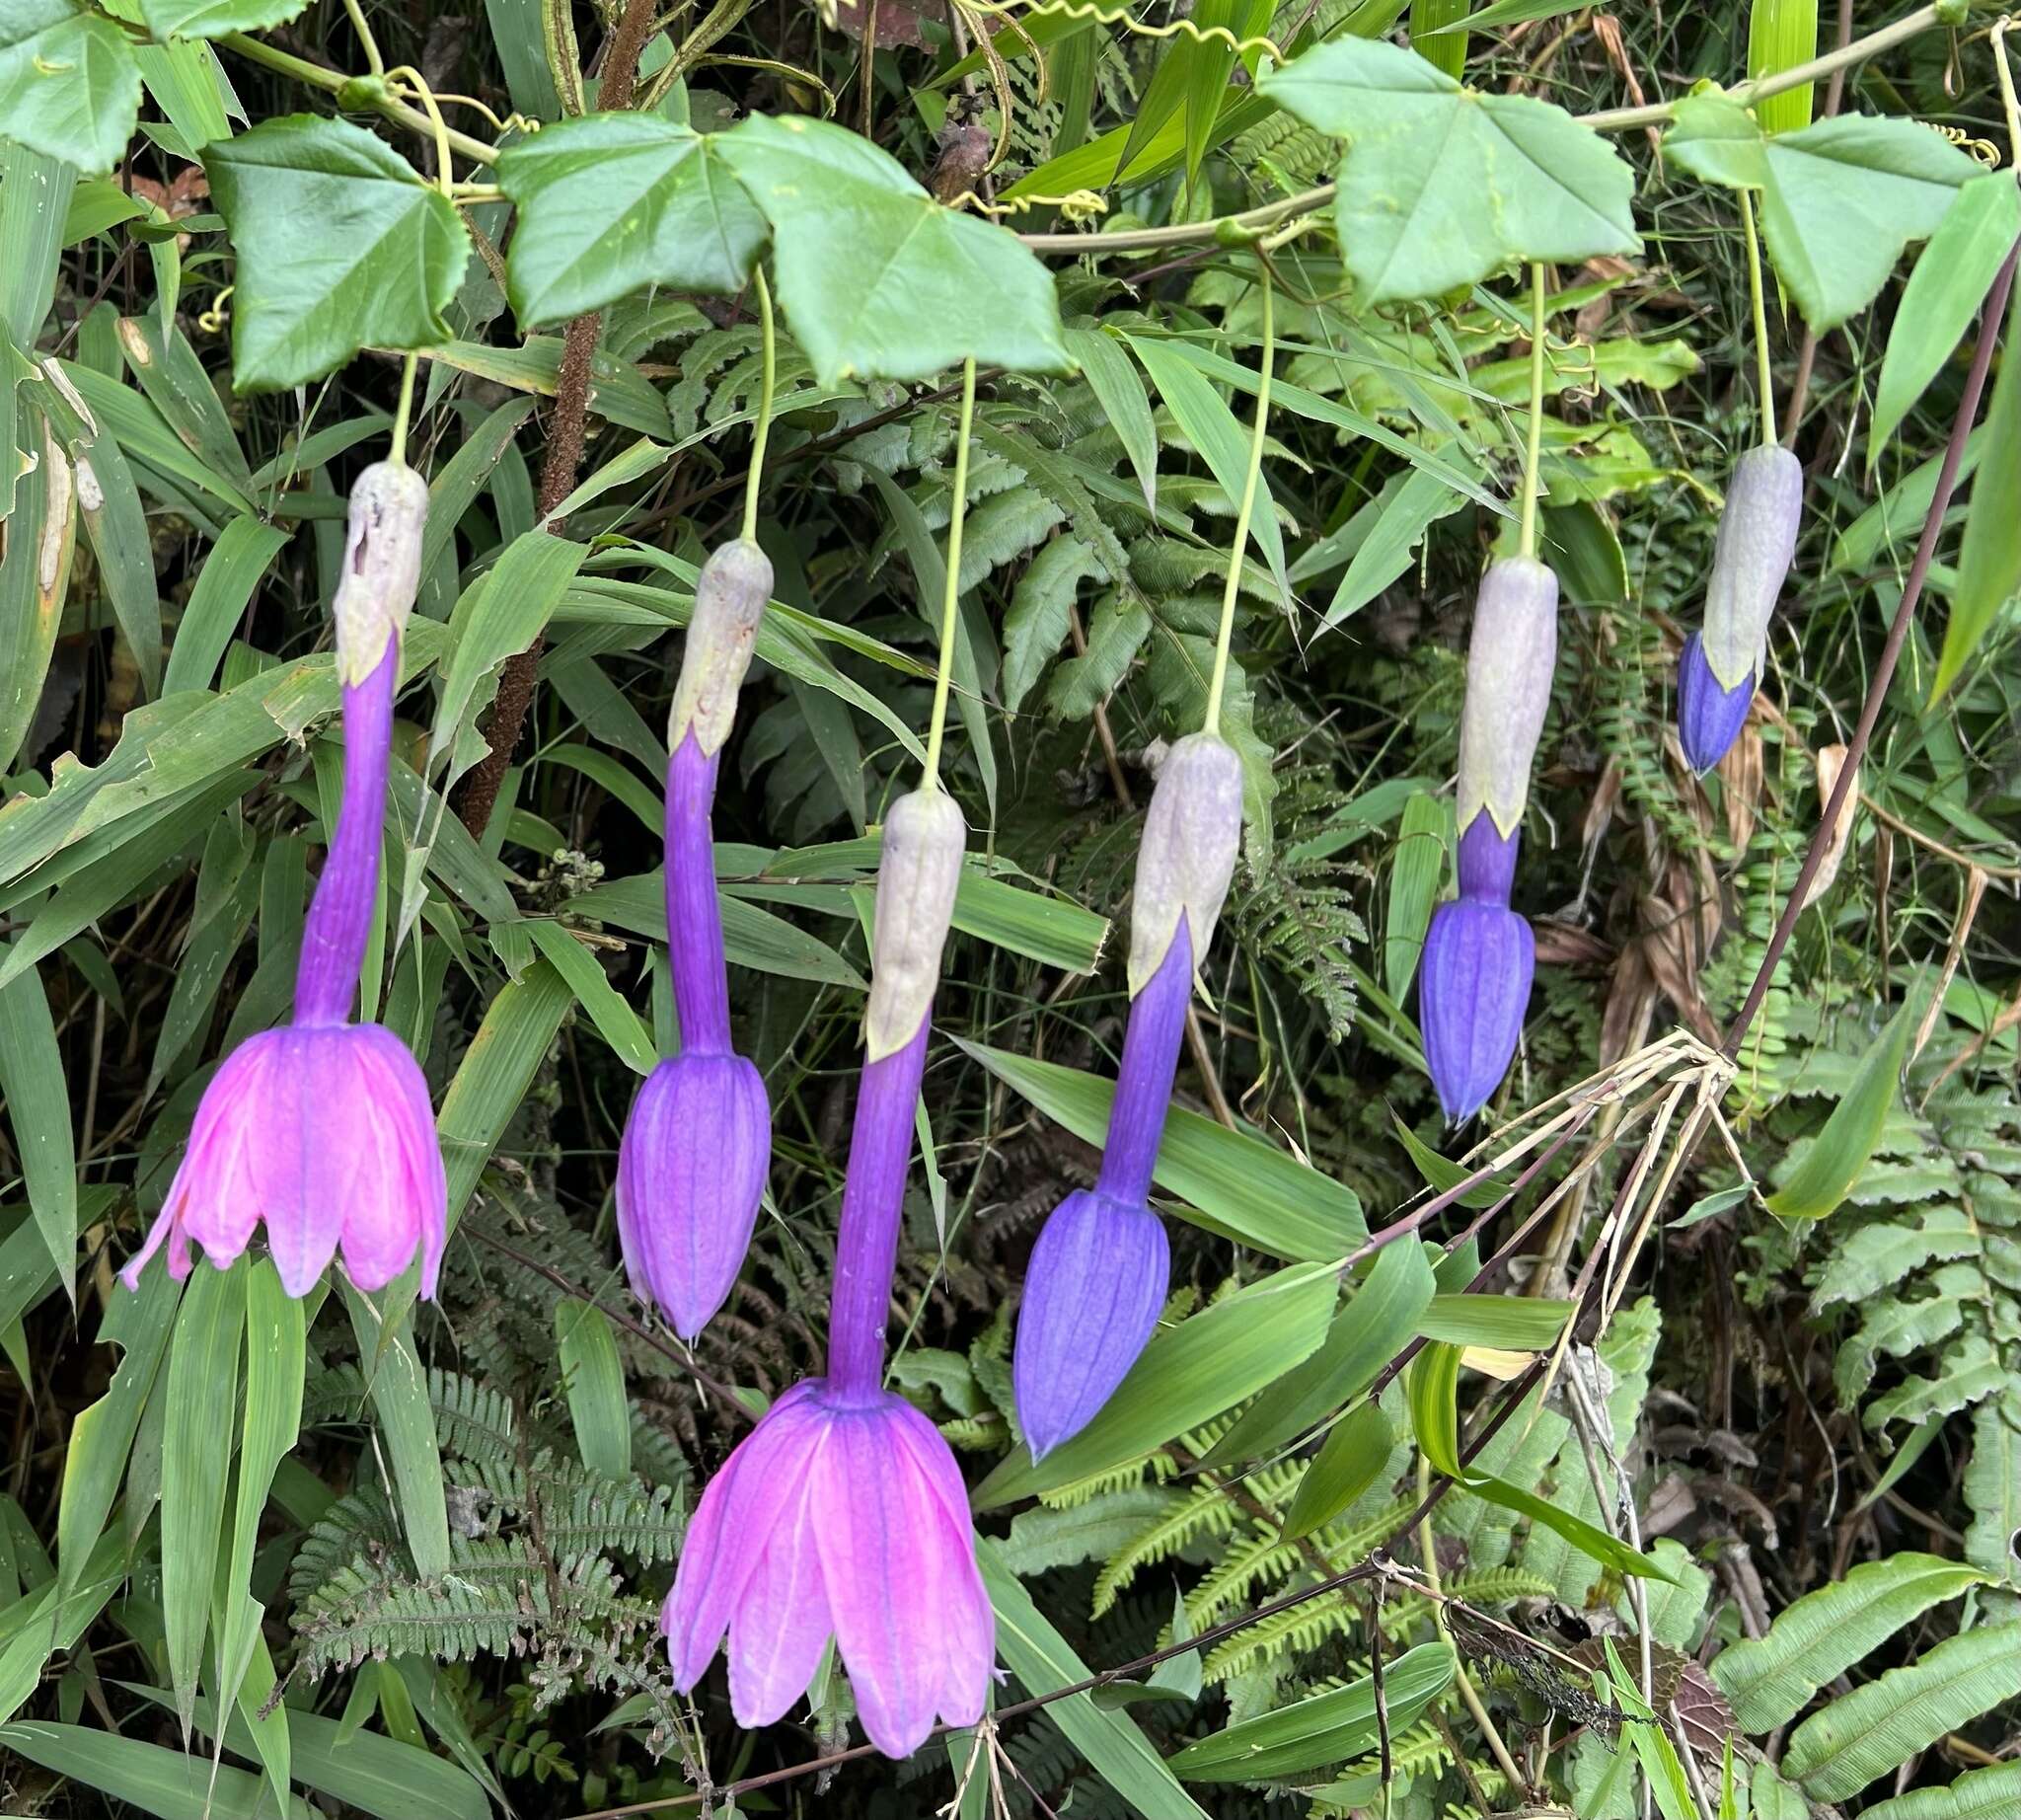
column 1473, row 986
column 1509, row 663
column 1099, row 1273
column 1765, row 509
column 691, row 1171
column 918, row 872
column 697, row 1148
column 1488, row 860
column 837, row 1516
column 1709, row 718
column 382, row 565
column 1092, row 1293
column 1192, row 832
column 730, row 598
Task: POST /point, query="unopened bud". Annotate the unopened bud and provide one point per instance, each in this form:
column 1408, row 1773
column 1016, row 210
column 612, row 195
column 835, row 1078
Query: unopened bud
column 920, row 867
column 382, row 566
column 730, row 596
column 1192, row 832
column 1764, row 507
column 1509, row 663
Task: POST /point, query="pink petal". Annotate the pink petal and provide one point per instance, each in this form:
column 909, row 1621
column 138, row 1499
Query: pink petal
column 782, row 1623
column 730, row 1527
column 399, row 1200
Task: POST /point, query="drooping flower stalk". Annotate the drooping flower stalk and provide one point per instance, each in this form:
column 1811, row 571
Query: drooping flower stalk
column 322, row 1128
column 696, row 1147
column 1720, row 667
column 1479, row 955
column 1099, row 1274
column 842, row 1513
column 1100, row 1270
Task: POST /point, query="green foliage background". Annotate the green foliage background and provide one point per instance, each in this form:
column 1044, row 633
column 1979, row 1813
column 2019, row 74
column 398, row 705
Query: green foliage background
column 1753, row 1549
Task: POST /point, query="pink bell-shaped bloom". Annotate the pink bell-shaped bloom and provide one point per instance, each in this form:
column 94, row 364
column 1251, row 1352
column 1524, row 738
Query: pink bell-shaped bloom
column 325, row 1133
column 837, row 1516
column 322, row 1128
column 842, row 1513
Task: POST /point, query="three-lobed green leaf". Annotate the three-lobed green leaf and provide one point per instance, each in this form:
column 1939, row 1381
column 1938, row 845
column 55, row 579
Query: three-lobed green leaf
column 1441, row 184
column 610, row 204
column 1840, row 199
column 69, row 87
column 879, row 280
column 339, row 247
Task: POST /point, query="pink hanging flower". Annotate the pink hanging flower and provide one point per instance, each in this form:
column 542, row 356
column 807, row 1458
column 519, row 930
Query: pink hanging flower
column 842, row 1513
column 322, row 1128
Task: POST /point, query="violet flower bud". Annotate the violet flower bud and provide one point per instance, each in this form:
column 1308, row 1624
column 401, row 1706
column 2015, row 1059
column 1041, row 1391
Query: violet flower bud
column 697, row 1148
column 1192, row 832
column 1100, row 1271
column 1709, row 718
column 842, row 1513
column 1509, row 663
column 918, row 872
column 322, row 1128
column 730, row 596
column 1751, row 559
column 1475, row 976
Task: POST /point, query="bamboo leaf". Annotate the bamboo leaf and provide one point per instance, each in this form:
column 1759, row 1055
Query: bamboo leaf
column 1825, row 1173
column 1348, row 1463
column 197, row 1458
column 38, row 1104
column 1188, row 1374
column 1235, row 1184
column 1043, row 1660
column 593, row 1380
column 1328, row 1729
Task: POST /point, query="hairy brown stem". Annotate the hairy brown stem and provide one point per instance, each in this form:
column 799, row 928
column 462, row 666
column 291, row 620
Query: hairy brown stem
column 1991, row 319
column 563, row 459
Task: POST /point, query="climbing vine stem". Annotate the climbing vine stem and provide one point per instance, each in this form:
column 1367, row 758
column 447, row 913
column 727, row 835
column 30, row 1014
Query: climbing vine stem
column 1758, row 302
column 1245, row 511
column 764, row 431
column 1534, row 447
column 404, row 409
column 951, row 593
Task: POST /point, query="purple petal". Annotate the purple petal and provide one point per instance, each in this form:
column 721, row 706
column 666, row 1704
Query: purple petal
column 402, row 1202
column 691, row 1171
column 1709, row 718
column 215, row 1196
column 1473, row 986
column 882, row 1558
column 731, row 1525
column 782, row 1624
column 1488, row 860
column 1092, row 1293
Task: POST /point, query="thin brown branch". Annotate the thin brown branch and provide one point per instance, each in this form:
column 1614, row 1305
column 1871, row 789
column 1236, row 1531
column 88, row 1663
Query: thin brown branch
column 1990, row 318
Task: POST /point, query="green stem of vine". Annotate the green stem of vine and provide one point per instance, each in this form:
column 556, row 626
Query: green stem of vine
column 1758, row 299
column 951, row 593
column 1534, row 447
column 370, row 45
column 764, row 429
column 401, row 412
column 1244, row 511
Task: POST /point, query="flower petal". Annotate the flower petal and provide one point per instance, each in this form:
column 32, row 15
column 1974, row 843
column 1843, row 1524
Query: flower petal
column 396, row 1207
column 1474, row 987
column 1092, row 1293
column 730, row 1526
column 1709, row 716
column 782, row 1623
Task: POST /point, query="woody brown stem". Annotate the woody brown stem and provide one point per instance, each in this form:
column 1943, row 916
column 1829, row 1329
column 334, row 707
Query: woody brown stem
column 565, row 439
